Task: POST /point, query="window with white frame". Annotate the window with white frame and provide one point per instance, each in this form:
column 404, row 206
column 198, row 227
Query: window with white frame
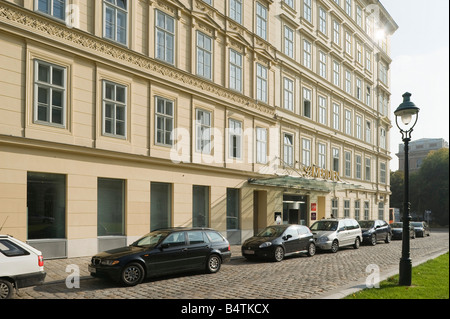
column 368, row 60
column 366, row 210
column 115, row 20
column 236, row 10
column 204, row 55
column 358, row 127
column 369, row 25
column 322, row 21
column 348, row 82
column 383, row 138
column 307, row 54
column 336, row 158
column 357, row 209
column 306, row 102
column 235, row 70
column 383, row 173
column 334, row 208
column 288, row 146
column 369, row 95
column 165, row 37
column 383, row 73
column 164, row 118
column 358, row 89
column 322, row 110
column 336, row 73
column 358, row 166
column 261, row 21
column 359, row 16
column 290, row 3
column 348, row 164
column 203, row 131
column 368, row 131
column 381, row 210
column 348, row 43
column 235, row 139
column 368, row 169
column 348, row 122
column 346, row 208
column 288, row 93
column 54, row 8
column 336, row 116
column 306, row 152
column 307, row 10
column 322, row 64
column 261, row 83
column 348, row 7
column 261, row 145
column 359, row 52
column 114, row 109
column 322, row 158
column 288, row 41
column 50, row 86
column 336, row 32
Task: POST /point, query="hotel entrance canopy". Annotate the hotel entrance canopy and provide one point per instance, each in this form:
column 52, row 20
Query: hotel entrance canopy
column 302, row 183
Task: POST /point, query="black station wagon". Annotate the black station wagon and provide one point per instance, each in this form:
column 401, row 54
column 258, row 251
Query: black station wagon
column 163, row 251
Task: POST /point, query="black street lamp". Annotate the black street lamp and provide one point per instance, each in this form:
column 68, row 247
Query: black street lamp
column 406, row 111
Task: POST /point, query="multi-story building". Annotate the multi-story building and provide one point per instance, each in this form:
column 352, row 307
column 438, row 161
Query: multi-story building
column 418, row 150
column 119, row 117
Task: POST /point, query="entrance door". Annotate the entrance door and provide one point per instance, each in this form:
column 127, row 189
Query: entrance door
column 293, row 216
column 259, row 211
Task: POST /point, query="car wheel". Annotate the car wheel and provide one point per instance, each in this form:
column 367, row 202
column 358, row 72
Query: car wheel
column 311, row 249
column 132, row 274
column 334, row 246
column 6, row 289
column 373, row 240
column 357, row 243
column 278, row 254
column 213, row 264
column 388, row 239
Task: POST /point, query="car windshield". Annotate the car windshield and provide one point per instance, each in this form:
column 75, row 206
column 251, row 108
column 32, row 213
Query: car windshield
column 397, row 225
column 366, row 223
column 151, row 239
column 417, row 224
column 271, row 231
column 329, row 225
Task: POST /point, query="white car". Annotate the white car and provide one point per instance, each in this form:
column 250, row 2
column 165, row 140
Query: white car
column 331, row 234
column 20, row 266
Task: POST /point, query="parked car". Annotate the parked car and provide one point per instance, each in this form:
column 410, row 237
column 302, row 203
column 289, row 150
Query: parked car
column 20, row 266
column 277, row 241
column 163, row 251
column 331, row 234
column 374, row 231
column 421, row 228
column 397, row 230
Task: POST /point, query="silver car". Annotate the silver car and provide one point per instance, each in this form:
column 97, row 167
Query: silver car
column 330, row 234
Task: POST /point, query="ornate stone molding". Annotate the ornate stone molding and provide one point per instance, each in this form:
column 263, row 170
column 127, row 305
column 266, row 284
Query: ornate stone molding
column 28, row 21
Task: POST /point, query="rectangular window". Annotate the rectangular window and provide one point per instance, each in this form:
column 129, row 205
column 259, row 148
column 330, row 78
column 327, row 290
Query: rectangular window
column 288, row 94
column 235, row 71
column 368, row 132
column 359, row 53
column 110, row 207
column 382, row 138
column 348, row 7
column 289, row 3
column 261, row 21
column 322, row 110
column 306, row 152
column 348, row 122
column 115, row 20
column 49, row 94
column 348, row 164
column 358, row 89
column 307, row 54
column 164, row 117
column 346, row 208
column 236, row 10
column 366, row 211
column 348, row 43
column 204, row 55
column 381, row 210
column 359, row 16
column 368, row 169
column 336, row 74
column 348, row 82
column 114, row 109
column 358, row 167
column 383, row 173
column 160, row 205
column 357, row 209
column 322, row 64
column 54, row 8
column 261, row 83
column 358, row 127
column 334, row 208
column 165, row 37
column 368, row 96
column 336, row 32
column 203, row 131
column 200, row 206
column 288, row 41
column 46, row 205
column 288, row 154
column 307, row 10
column 368, row 60
column 233, row 204
column 322, row 21
column 306, row 103
column 322, row 156
column 336, row 116
column 261, row 145
column 336, row 158
column 235, row 139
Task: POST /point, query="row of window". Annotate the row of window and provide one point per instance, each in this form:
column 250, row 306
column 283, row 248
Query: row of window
column 359, row 212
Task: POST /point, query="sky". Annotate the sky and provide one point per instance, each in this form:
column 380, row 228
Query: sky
column 420, row 54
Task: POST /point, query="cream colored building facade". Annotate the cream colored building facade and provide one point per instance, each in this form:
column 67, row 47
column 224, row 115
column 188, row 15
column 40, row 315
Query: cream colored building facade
column 119, row 117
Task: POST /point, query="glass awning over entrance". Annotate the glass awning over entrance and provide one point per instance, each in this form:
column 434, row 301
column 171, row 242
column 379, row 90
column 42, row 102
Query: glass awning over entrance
column 302, row 183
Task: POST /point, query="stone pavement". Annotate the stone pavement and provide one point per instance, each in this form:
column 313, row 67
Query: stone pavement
column 325, row 275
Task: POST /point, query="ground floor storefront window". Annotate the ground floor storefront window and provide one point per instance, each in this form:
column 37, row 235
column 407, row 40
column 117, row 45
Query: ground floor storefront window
column 160, row 205
column 111, row 207
column 200, row 206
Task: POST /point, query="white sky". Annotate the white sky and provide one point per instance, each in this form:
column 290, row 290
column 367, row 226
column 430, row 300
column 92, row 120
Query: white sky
column 420, row 54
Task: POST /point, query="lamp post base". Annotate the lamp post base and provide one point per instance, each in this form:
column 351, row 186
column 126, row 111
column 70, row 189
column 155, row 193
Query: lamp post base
column 405, row 272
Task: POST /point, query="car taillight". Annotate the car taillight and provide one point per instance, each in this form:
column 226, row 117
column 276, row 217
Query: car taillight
column 40, row 261
column 229, row 247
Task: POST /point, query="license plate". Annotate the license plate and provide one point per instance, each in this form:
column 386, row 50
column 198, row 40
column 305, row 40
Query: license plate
column 92, row 269
column 249, row 252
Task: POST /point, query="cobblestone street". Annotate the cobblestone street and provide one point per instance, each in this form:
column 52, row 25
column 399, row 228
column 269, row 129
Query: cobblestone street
column 297, row 277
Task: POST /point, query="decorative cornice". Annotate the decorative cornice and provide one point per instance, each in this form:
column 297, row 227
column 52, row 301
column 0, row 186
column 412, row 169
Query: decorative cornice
column 28, row 21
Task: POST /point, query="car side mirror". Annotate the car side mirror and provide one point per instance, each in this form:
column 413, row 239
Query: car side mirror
column 164, row 246
column 286, row 237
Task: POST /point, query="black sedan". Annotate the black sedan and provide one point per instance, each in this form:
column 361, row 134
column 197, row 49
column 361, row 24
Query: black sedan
column 421, row 228
column 276, row 242
column 161, row 252
column 397, row 231
column 375, row 230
